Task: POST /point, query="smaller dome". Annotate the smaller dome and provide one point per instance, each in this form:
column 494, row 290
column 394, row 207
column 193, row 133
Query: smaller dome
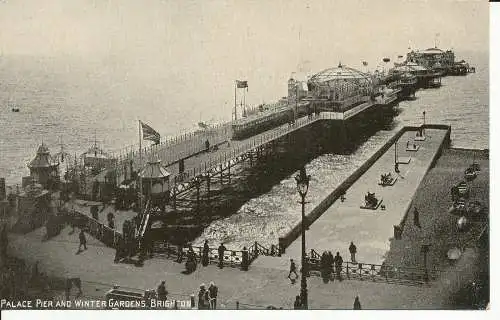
column 432, row 51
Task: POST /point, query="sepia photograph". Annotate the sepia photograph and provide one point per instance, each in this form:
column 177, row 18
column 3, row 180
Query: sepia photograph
column 244, row 155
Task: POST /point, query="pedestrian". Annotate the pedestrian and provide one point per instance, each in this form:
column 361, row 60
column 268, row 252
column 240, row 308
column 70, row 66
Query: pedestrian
column 357, row 304
column 293, row 269
column 201, row 297
column 213, row 290
column 396, row 168
column 207, row 145
column 330, row 264
column 111, row 223
column 206, row 250
column 297, row 305
column 179, row 253
column 162, row 291
column 338, row 261
column 407, row 144
column 353, row 250
column 324, row 266
column 83, row 241
column 221, row 252
column 244, row 259
column 416, row 218
column 342, row 196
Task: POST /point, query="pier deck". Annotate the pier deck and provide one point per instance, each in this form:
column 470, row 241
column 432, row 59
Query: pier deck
column 370, row 230
column 198, row 161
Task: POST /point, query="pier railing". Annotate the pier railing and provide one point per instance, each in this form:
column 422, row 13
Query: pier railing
column 376, row 272
column 231, row 258
column 237, row 152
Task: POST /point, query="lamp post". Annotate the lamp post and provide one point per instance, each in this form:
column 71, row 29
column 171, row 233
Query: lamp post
column 423, row 113
column 425, row 251
column 302, row 186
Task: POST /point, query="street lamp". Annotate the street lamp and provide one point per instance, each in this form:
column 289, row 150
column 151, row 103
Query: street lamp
column 302, row 186
column 425, row 251
column 424, row 124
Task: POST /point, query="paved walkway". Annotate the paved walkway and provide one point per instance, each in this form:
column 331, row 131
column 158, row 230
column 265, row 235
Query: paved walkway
column 370, row 230
column 257, row 288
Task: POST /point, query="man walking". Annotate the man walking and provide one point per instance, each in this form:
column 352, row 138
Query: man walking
column 212, row 291
column 416, row 218
column 162, row 291
column 204, row 257
column 293, row 269
column 221, row 251
column 338, row 261
column 202, row 303
column 353, row 250
column 357, row 304
column 83, row 241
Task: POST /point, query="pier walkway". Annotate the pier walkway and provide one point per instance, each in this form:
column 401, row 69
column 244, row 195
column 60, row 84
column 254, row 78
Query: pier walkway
column 370, row 230
column 191, row 147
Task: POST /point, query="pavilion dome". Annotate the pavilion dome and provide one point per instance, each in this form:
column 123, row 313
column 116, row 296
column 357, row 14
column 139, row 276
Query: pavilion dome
column 340, row 73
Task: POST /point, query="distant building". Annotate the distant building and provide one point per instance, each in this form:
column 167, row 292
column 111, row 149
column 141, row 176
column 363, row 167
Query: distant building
column 297, row 90
column 43, row 168
column 432, row 58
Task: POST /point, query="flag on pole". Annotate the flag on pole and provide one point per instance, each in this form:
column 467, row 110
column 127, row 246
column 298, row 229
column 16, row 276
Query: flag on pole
column 241, row 84
column 149, row 133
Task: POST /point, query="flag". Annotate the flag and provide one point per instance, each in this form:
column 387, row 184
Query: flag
column 149, row 133
column 365, row 63
column 241, row 84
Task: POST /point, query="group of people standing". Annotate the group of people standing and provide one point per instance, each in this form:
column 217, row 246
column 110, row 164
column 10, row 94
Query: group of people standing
column 207, row 298
column 192, row 261
column 329, row 263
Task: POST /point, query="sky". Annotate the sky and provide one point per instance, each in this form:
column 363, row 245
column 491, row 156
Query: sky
column 205, row 45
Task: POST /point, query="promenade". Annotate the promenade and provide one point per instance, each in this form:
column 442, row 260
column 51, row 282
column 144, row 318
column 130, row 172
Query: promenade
column 370, row 230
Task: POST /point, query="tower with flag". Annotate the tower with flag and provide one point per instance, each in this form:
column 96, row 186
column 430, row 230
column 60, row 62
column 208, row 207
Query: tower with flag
column 240, row 84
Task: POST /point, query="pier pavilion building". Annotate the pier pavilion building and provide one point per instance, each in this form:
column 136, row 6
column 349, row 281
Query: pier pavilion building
column 432, row 58
column 341, row 87
column 43, row 168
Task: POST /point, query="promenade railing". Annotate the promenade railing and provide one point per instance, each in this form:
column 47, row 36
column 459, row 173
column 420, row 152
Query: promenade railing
column 376, row 272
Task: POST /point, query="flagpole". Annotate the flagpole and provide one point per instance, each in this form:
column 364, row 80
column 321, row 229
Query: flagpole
column 235, row 84
column 139, row 170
